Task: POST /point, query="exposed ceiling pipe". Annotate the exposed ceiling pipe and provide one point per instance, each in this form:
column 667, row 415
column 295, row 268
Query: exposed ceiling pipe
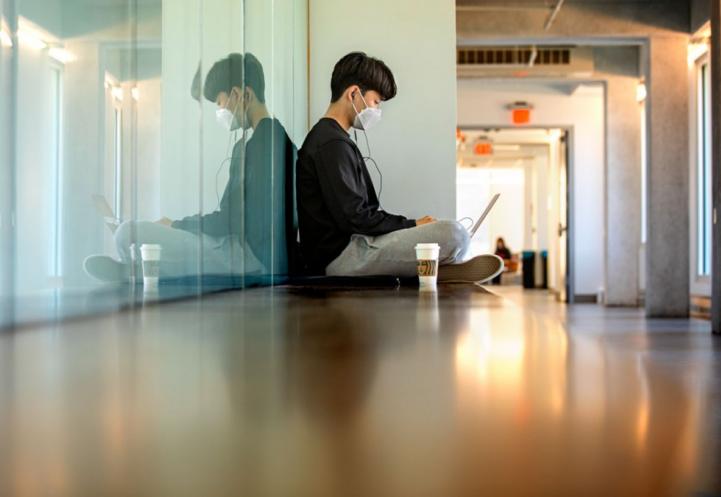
column 534, row 54
column 553, row 15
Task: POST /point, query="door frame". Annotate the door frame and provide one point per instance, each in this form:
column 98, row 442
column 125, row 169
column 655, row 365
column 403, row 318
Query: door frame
column 700, row 285
column 568, row 132
column 715, row 57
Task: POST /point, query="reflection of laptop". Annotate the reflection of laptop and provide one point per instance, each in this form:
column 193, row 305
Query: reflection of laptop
column 485, row 213
column 104, row 209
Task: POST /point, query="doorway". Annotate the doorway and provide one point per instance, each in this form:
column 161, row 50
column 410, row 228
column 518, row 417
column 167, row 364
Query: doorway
column 530, row 168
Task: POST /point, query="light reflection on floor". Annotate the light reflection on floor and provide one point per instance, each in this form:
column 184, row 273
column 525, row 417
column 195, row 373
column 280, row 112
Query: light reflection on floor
column 380, row 392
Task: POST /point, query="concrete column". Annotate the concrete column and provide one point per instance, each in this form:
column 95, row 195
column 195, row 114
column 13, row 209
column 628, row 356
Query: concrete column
column 667, row 251
column 623, row 175
column 716, row 165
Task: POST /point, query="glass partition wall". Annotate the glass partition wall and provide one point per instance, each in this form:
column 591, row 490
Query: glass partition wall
column 143, row 138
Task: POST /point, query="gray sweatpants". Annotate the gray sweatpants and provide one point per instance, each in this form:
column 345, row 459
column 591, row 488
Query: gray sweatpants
column 181, row 250
column 395, row 253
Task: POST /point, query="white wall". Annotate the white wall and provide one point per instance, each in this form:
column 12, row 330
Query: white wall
column 414, row 145
column 482, row 103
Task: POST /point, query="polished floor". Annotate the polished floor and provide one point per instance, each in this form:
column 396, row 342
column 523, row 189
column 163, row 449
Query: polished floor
column 301, row 392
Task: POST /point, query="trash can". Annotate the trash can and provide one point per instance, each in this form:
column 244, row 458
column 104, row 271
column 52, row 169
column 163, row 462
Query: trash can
column 544, row 268
column 528, row 258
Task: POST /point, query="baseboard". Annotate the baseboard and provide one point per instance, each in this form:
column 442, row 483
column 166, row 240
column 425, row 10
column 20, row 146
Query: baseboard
column 582, row 298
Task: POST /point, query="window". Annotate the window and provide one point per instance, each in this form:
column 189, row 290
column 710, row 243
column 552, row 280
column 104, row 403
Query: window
column 703, row 172
column 109, row 119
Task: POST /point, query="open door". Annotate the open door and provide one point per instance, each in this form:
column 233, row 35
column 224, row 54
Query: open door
column 563, row 283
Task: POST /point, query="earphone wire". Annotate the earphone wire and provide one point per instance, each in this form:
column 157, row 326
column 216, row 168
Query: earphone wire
column 372, row 160
column 470, row 219
column 231, row 139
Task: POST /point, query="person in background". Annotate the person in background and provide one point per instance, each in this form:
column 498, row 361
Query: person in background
column 504, row 253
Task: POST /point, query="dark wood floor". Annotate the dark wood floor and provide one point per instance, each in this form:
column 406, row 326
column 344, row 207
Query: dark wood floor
column 291, row 392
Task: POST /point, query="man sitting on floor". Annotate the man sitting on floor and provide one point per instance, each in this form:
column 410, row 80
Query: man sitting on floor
column 343, row 230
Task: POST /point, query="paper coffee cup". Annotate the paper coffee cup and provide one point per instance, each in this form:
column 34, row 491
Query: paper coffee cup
column 150, row 253
column 427, row 257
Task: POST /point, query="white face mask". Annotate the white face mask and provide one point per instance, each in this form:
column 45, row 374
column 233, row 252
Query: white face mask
column 227, row 119
column 367, row 118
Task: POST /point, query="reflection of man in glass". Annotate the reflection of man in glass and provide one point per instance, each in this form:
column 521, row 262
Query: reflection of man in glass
column 250, row 230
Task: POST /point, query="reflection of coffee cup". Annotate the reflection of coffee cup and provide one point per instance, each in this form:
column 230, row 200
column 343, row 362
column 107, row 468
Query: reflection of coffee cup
column 427, row 256
column 151, row 263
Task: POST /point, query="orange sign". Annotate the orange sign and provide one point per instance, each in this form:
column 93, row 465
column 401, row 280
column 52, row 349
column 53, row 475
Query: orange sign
column 521, row 116
column 483, row 149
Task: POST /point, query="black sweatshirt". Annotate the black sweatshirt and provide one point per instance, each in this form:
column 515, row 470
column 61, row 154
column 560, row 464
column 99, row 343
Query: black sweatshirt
column 336, row 198
column 260, row 206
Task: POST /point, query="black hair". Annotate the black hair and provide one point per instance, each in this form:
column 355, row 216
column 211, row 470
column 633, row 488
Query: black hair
column 235, row 70
column 368, row 73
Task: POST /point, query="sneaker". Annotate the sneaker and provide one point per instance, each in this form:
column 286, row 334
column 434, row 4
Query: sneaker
column 105, row 268
column 479, row 269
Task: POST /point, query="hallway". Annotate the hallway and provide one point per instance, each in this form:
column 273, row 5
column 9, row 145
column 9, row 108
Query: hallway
column 294, row 392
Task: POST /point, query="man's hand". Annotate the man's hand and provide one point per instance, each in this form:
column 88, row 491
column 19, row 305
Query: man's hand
column 425, row 220
column 164, row 221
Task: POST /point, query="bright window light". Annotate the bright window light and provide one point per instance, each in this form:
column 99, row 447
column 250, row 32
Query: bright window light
column 5, row 39
column 61, row 55
column 117, row 93
column 704, row 226
column 30, row 40
column 499, row 147
column 699, row 43
column 696, row 50
column 135, row 93
column 641, row 92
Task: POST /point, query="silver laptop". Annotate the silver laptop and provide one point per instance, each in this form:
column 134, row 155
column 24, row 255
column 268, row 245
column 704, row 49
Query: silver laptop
column 101, row 205
column 485, row 213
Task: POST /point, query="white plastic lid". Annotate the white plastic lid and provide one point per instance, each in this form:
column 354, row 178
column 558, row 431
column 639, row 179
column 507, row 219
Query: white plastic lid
column 150, row 246
column 427, row 246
